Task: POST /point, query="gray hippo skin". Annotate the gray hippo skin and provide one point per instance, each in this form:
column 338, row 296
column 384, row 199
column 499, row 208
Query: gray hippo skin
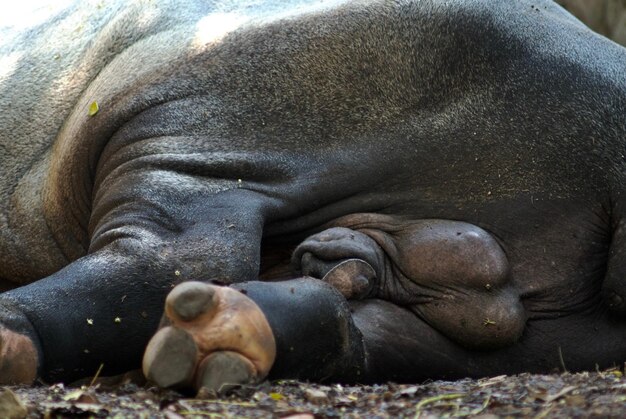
column 399, row 190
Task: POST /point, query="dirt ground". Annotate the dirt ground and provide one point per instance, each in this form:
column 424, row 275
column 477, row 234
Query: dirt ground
column 598, row 394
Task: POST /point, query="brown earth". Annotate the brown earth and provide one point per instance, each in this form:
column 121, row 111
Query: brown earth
column 582, row 395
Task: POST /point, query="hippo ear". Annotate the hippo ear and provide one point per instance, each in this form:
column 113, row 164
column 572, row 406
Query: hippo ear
column 354, row 278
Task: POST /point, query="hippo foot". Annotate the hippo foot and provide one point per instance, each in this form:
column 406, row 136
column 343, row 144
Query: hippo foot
column 213, row 337
column 18, row 358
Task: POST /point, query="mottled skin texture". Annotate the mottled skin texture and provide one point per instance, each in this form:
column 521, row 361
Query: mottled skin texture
column 228, row 133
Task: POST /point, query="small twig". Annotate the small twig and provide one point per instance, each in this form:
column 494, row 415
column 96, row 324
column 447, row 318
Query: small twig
column 227, row 403
column 201, row 413
column 562, row 360
column 491, row 381
column 560, row 394
column 434, row 399
column 95, row 377
column 598, row 371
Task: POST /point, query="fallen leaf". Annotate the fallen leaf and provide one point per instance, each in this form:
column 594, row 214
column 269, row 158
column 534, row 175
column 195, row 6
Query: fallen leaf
column 11, row 407
column 56, row 388
column 81, row 397
column 73, row 395
column 409, row 391
column 276, row 396
column 341, row 401
column 315, row 396
column 93, row 108
column 616, row 373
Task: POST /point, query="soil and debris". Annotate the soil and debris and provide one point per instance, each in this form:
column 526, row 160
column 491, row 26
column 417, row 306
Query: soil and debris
column 598, row 394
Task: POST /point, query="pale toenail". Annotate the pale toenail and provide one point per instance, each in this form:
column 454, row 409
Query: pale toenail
column 170, row 358
column 190, row 299
column 224, row 370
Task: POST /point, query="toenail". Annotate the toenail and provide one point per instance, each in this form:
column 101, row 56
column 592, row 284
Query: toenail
column 170, row 358
column 190, row 299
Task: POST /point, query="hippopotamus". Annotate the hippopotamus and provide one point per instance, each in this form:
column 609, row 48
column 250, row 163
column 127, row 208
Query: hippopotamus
column 345, row 190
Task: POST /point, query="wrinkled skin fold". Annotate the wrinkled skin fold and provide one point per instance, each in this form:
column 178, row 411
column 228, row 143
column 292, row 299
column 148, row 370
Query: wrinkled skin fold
column 386, row 190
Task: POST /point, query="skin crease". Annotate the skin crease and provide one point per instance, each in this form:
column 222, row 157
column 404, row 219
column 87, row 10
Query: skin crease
column 218, row 149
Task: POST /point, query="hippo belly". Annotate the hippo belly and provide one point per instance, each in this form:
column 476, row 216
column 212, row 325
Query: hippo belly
column 321, row 190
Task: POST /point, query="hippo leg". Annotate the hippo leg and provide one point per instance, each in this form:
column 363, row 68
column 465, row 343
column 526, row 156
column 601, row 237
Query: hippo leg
column 402, row 347
column 226, row 340
column 150, row 227
column 321, row 336
column 360, row 265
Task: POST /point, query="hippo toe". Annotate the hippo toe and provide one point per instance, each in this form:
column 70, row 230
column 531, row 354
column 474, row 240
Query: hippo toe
column 213, row 337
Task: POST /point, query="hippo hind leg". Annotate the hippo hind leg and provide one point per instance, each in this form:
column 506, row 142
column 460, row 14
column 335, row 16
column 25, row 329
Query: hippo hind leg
column 152, row 225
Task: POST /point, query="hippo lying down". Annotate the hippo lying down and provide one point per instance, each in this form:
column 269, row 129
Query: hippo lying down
column 347, row 190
